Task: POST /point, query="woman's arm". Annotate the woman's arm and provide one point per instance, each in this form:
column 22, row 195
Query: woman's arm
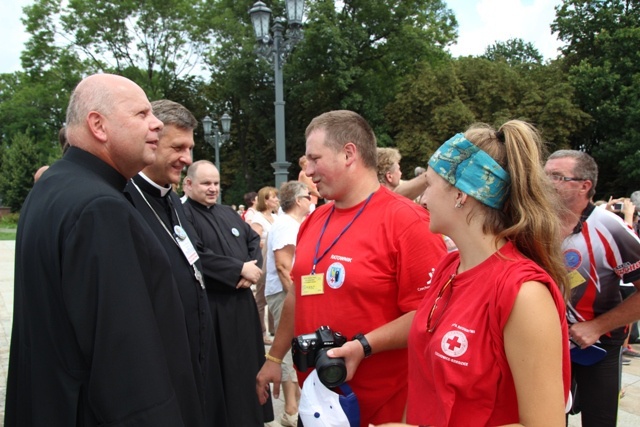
column 284, row 261
column 258, row 229
column 533, row 345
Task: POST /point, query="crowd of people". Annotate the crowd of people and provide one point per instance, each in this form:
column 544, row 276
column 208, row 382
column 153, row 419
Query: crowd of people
column 488, row 289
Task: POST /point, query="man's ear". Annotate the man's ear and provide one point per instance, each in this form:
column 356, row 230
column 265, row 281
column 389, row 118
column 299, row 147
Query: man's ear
column 586, row 186
column 350, row 150
column 96, row 123
column 388, row 177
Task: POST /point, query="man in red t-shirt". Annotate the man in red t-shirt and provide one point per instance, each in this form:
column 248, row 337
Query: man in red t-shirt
column 363, row 263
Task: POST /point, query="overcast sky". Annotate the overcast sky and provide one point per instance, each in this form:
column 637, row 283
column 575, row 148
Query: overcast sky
column 483, row 22
column 480, row 24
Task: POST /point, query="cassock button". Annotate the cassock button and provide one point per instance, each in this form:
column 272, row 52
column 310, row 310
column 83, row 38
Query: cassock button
column 235, row 232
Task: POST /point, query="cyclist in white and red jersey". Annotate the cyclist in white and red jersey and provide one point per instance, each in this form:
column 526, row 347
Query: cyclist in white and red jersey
column 599, row 250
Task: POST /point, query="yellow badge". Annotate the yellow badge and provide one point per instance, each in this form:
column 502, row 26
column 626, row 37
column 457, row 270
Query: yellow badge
column 313, row 284
column 575, row 279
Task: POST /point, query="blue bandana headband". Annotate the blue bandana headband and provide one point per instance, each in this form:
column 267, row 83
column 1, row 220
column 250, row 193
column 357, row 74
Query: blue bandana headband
column 472, row 171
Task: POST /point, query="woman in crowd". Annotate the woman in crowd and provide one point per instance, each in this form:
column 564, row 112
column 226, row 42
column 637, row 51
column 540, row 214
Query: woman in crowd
column 266, row 211
column 302, row 177
column 281, row 245
column 489, row 343
column 251, row 200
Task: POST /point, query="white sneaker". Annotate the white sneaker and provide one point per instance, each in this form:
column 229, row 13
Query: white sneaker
column 289, row 420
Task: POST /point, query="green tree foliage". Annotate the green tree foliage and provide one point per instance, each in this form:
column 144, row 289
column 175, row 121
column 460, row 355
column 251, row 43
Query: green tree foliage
column 152, row 42
column 427, row 111
column 354, row 56
column 155, row 43
column 557, row 113
column 18, row 163
column 602, row 39
column 441, row 100
column 36, row 106
column 579, row 23
column 242, row 85
column 35, row 100
column 385, row 59
column 514, row 52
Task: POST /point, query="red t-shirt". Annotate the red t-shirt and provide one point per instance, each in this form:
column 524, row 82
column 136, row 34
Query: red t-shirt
column 377, row 271
column 459, row 373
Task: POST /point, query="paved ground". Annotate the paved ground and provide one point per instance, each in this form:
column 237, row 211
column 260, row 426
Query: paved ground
column 629, row 413
column 6, row 312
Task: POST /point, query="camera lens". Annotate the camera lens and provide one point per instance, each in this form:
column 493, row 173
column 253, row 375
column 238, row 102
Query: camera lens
column 331, row 371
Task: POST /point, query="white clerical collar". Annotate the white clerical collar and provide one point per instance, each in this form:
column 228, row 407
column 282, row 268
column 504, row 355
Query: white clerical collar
column 163, row 190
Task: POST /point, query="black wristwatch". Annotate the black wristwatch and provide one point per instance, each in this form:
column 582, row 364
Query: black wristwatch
column 365, row 344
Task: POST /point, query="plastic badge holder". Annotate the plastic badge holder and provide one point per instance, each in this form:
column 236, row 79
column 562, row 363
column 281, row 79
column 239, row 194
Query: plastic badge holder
column 587, row 356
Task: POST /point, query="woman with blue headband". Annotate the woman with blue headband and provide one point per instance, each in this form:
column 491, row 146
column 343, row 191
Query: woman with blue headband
column 488, row 344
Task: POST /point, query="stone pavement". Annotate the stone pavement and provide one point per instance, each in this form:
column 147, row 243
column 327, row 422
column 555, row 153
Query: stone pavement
column 7, row 250
column 628, row 415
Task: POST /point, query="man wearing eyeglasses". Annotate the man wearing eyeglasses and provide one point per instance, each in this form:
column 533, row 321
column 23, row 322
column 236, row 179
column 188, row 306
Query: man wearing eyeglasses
column 599, row 251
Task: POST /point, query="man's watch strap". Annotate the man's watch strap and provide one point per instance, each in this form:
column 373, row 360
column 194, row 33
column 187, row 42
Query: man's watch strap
column 365, row 344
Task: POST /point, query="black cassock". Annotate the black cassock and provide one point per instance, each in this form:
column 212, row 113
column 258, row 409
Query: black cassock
column 99, row 334
column 163, row 211
column 226, row 243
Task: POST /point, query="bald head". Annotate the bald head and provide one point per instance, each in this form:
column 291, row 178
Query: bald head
column 203, row 182
column 95, row 93
column 110, row 117
column 39, row 172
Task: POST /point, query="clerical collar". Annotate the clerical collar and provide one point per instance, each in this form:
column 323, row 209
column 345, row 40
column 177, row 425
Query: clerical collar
column 163, row 190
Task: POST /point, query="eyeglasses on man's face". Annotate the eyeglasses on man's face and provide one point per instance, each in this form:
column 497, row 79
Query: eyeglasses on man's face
column 305, row 196
column 561, row 178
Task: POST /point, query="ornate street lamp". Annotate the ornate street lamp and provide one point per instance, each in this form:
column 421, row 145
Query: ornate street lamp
column 276, row 49
column 215, row 138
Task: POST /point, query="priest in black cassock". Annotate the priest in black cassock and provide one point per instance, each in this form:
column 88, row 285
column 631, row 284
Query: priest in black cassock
column 231, row 256
column 152, row 194
column 99, row 335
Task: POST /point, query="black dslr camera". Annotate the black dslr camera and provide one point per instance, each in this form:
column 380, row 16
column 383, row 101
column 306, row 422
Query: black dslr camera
column 310, row 350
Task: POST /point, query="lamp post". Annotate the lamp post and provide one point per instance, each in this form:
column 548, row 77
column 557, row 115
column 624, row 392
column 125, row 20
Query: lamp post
column 215, row 138
column 275, row 50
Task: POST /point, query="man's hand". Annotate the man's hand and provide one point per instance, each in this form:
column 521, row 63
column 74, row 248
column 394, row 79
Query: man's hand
column 270, row 372
column 353, row 354
column 251, row 271
column 243, row 283
column 585, row 333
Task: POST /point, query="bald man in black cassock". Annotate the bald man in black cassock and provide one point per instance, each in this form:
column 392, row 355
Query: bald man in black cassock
column 230, row 258
column 99, row 335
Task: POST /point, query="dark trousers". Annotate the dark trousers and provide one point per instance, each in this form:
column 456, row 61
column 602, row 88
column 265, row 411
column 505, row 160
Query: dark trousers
column 596, row 389
column 634, row 336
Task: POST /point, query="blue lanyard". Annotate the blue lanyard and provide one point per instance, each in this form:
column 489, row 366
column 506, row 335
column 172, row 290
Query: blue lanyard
column 316, row 260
